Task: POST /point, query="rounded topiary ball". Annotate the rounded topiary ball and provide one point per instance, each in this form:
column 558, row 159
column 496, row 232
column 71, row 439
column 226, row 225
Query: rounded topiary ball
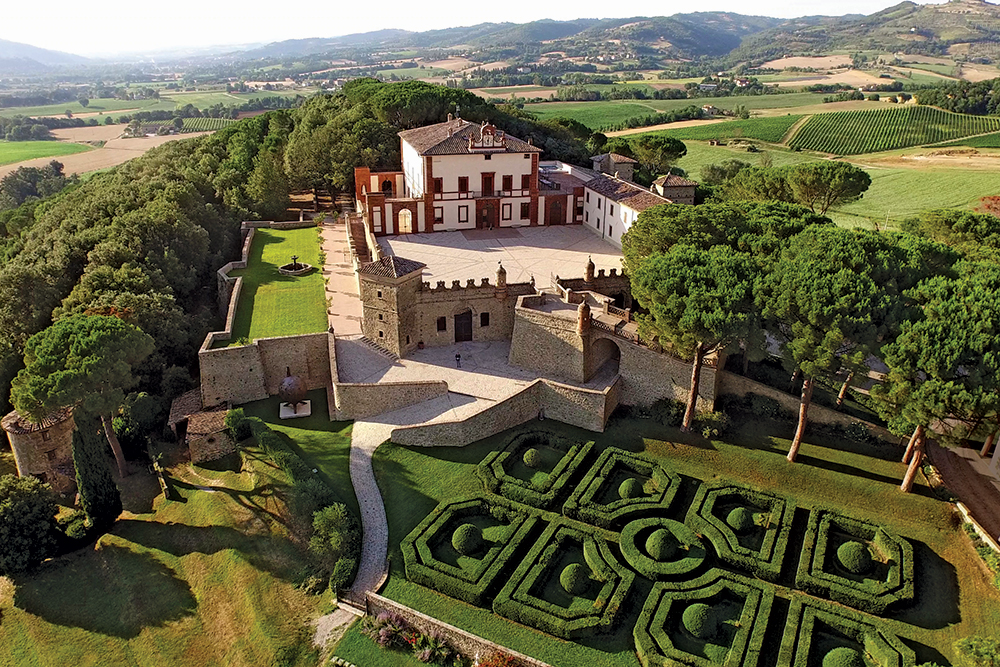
column 843, row 656
column 467, row 539
column 630, row 488
column 661, row 545
column 532, row 458
column 740, row 520
column 575, row 579
column 699, row 619
column 855, row 557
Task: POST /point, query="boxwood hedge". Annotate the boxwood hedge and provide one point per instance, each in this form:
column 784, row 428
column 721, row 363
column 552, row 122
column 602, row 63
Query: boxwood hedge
column 494, row 471
column 588, row 502
column 820, row 632
column 718, row 619
column 473, row 579
column 526, row 598
column 661, row 549
column 748, row 528
column 887, row 584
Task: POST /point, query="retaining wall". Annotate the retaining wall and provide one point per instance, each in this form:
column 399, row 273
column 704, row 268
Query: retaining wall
column 585, row 408
column 467, row 643
column 360, row 401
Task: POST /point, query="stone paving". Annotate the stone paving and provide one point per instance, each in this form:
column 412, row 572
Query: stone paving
column 524, row 251
column 344, row 311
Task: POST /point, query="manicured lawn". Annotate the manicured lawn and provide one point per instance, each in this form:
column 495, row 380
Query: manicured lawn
column 96, row 105
column 323, row 444
column 208, row 579
column 272, row 304
column 956, row 598
column 700, row 154
column 359, row 650
column 19, row 151
column 771, row 129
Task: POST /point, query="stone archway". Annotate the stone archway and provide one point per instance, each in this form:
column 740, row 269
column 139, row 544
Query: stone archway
column 605, row 357
column 405, row 222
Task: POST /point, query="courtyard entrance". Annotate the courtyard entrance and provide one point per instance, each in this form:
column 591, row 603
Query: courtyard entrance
column 405, row 221
column 463, row 327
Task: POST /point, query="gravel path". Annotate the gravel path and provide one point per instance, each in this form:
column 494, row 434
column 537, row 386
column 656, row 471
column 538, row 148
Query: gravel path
column 968, row 476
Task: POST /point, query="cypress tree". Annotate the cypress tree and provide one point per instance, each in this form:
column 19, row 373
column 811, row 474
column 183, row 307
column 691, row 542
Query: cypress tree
column 99, row 496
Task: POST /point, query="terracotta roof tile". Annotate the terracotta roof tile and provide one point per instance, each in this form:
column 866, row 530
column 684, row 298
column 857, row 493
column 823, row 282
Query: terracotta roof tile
column 15, row 423
column 626, row 194
column 391, row 267
column 673, row 181
column 452, row 138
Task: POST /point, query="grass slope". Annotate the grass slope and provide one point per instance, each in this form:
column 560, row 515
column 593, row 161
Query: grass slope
column 957, row 599
column 272, row 304
column 207, row 580
column 771, row 129
column 19, row 151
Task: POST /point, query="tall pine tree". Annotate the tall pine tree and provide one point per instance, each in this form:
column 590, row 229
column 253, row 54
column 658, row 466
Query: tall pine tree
column 99, row 496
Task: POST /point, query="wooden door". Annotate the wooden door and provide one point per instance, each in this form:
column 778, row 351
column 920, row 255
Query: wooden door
column 463, row 326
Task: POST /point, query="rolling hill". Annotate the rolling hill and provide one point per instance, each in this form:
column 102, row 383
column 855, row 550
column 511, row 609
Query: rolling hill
column 17, row 58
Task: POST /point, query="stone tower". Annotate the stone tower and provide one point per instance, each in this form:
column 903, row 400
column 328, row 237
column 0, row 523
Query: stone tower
column 389, row 295
column 44, row 450
column 501, row 289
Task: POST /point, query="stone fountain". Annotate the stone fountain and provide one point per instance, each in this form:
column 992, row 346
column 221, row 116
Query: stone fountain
column 295, row 267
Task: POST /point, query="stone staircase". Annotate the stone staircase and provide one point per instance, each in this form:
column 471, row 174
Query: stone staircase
column 372, row 345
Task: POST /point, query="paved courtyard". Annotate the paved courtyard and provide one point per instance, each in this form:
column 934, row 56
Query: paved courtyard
column 525, row 252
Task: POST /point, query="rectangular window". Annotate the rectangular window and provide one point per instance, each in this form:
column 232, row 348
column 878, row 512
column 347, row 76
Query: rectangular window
column 381, row 334
column 45, row 436
column 51, row 456
column 442, row 324
column 438, row 214
column 598, row 203
column 484, row 319
column 463, row 183
column 525, row 181
column 488, row 156
column 527, row 156
column 611, row 231
column 525, row 210
column 380, row 318
column 508, row 183
column 463, row 213
column 438, row 186
column 586, row 216
column 612, row 211
column 506, row 211
column 588, row 197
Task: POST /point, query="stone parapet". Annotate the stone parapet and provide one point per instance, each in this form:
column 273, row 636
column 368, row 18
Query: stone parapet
column 361, row 401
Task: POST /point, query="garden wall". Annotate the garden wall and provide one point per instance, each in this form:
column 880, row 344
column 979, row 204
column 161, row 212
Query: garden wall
column 586, row 408
column 360, row 401
column 467, row 643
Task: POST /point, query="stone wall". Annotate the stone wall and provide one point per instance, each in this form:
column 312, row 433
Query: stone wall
column 611, row 283
column 360, row 401
column 307, row 356
column 467, row 643
column 546, row 344
column 46, row 453
column 585, row 408
column 648, row 376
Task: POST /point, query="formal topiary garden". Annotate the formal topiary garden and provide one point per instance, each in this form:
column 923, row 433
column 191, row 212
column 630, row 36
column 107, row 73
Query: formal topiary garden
column 574, row 545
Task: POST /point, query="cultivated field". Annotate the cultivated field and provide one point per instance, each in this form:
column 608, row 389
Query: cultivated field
column 771, row 130
column 89, row 133
column 887, row 128
column 13, row 152
column 815, row 62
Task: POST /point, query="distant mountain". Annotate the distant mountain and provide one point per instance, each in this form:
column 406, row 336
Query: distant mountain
column 17, row 58
column 959, row 27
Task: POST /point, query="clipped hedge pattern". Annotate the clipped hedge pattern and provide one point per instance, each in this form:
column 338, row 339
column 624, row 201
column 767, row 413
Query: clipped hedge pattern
column 521, row 599
column 494, row 471
column 665, row 634
column 711, row 516
column 889, row 585
column 471, row 583
column 806, row 641
column 584, row 503
column 685, row 552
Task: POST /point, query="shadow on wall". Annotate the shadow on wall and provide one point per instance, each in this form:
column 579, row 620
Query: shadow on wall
column 115, row 592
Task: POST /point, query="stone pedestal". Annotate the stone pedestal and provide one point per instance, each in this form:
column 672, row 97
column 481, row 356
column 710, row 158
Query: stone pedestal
column 304, row 409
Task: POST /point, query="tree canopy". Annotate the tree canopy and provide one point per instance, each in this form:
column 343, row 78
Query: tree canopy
column 27, row 523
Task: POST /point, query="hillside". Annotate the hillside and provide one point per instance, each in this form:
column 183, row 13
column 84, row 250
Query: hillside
column 960, row 27
column 17, row 58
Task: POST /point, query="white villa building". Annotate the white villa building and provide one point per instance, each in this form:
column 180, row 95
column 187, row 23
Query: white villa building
column 459, row 175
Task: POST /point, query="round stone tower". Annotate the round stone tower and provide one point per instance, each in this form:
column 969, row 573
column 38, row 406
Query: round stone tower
column 588, row 271
column 501, row 288
column 44, row 450
column 583, row 317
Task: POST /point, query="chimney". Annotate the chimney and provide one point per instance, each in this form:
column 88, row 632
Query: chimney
column 531, row 141
column 450, row 118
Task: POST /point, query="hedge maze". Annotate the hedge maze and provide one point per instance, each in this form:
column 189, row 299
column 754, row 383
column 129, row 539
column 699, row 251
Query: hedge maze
column 560, row 540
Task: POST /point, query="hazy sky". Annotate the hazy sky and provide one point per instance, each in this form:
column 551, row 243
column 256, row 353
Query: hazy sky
column 87, row 28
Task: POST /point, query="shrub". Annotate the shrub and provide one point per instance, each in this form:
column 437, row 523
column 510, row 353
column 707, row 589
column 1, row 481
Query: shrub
column 237, row 424
column 979, row 651
column 630, row 488
column 855, row 557
column 843, row 656
column 27, row 523
column 311, row 495
column 493, row 470
column 767, row 407
column 712, row 424
column 741, row 520
column 661, row 545
column 467, row 539
column 532, row 458
column 699, row 619
column 668, row 412
column 575, row 579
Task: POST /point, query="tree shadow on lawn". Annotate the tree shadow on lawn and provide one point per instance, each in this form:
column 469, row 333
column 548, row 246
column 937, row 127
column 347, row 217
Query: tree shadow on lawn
column 405, row 506
column 854, row 471
column 111, row 591
column 937, row 591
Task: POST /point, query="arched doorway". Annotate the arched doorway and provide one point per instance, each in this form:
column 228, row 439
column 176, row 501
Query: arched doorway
column 463, row 327
column 556, row 213
column 605, row 357
column 405, row 222
column 387, row 188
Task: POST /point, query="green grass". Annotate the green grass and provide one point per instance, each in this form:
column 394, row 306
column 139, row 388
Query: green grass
column 275, row 305
column 957, row 599
column 206, row 580
column 18, row 151
column 96, row 105
column 7, row 464
column 984, row 141
column 414, row 72
column 700, row 154
column 323, row 444
column 885, row 129
column 595, row 115
column 359, row 650
column 772, row 129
